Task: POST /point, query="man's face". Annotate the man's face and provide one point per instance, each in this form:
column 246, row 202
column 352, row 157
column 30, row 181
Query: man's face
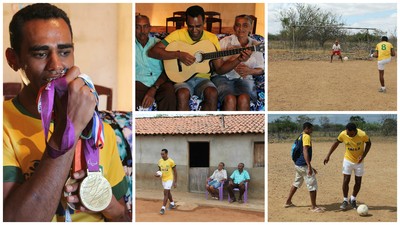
column 164, row 155
column 242, row 27
column 195, row 27
column 142, row 29
column 46, row 51
column 308, row 130
column 351, row 133
column 240, row 167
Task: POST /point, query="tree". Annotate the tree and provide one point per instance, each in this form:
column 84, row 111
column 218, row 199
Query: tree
column 358, row 120
column 302, row 119
column 309, row 22
column 389, row 127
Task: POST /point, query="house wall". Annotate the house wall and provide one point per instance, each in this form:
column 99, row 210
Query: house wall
column 231, row 150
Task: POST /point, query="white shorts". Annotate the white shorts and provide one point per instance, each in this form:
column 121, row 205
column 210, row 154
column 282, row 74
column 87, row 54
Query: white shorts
column 301, row 175
column 348, row 168
column 382, row 63
column 167, row 184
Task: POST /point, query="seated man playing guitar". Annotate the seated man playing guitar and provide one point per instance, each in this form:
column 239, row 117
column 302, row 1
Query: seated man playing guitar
column 199, row 84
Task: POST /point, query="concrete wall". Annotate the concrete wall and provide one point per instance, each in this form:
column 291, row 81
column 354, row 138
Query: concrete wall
column 103, row 46
column 230, row 149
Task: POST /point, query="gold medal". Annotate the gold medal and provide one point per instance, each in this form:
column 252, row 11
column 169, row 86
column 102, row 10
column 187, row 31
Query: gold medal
column 95, row 192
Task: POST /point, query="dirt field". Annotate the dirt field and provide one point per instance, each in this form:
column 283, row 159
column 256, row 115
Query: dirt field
column 378, row 190
column 321, row 85
column 148, row 211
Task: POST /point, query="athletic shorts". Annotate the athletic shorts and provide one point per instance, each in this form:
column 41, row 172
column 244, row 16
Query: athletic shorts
column 382, row 63
column 195, row 85
column 336, row 52
column 167, row 184
column 348, row 168
column 234, row 87
column 301, row 175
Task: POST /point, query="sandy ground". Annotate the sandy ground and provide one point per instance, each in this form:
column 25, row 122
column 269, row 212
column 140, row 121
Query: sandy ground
column 378, row 190
column 320, row 85
column 148, row 211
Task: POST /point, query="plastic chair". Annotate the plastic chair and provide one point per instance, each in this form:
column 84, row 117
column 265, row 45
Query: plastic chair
column 244, row 194
column 211, row 17
column 101, row 90
column 254, row 23
column 220, row 189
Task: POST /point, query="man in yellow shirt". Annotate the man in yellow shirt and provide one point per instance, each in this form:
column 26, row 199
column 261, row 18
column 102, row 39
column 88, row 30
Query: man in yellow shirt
column 42, row 49
column 354, row 140
column 384, row 52
column 200, row 84
column 169, row 178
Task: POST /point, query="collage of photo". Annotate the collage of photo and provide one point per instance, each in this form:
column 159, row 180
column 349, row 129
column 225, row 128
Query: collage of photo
column 232, row 112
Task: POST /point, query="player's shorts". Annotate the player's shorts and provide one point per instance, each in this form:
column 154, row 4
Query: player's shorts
column 382, row 63
column 348, row 168
column 195, row 85
column 167, row 184
column 336, row 53
column 301, row 175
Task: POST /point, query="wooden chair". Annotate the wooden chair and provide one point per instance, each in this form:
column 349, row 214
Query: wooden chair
column 213, row 17
column 10, row 90
column 254, row 23
column 101, row 90
column 178, row 18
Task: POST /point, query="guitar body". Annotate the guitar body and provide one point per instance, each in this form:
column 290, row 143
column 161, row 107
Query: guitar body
column 179, row 72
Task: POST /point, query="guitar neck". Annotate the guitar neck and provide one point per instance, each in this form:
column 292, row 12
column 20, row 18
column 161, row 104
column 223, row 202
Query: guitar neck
column 220, row 54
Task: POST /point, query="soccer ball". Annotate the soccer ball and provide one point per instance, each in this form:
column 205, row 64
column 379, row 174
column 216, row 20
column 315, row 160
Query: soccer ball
column 158, row 173
column 345, row 58
column 362, row 210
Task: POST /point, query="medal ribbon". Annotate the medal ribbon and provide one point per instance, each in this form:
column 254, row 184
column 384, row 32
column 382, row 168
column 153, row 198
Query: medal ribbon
column 92, row 143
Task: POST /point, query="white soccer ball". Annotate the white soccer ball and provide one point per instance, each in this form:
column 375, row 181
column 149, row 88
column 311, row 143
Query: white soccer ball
column 372, row 55
column 345, row 58
column 158, row 173
column 362, row 210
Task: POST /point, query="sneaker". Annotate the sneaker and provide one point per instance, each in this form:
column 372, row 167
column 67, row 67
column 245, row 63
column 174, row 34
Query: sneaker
column 353, row 204
column 344, row 205
column 172, row 206
column 162, row 211
column 382, row 90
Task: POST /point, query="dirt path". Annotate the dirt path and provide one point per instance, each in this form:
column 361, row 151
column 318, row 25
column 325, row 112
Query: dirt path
column 148, row 211
column 378, row 190
column 321, row 85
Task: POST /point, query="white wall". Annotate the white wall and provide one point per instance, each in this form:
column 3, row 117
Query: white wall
column 230, row 149
column 103, row 46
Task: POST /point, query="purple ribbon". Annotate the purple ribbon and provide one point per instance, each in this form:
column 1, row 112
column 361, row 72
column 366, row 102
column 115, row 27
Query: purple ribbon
column 45, row 106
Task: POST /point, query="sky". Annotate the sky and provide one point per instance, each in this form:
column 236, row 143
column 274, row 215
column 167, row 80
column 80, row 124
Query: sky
column 369, row 15
column 333, row 118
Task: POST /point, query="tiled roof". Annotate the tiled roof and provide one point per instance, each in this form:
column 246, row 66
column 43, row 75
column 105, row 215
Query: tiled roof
column 214, row 124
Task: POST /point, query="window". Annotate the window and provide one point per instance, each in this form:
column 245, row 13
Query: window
column 259, row 154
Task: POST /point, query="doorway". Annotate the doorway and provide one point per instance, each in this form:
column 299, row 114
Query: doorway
column 199, row 165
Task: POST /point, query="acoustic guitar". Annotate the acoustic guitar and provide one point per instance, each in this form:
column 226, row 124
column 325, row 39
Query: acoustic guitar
column 203, row 51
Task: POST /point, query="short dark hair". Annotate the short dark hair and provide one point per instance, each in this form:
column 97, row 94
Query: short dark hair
column 165, row 150
column 384, row 38
column 142, row 17
column 351, row 127
column 195, row 11
column 31, row 12
column 242, row 164
column 307, row 125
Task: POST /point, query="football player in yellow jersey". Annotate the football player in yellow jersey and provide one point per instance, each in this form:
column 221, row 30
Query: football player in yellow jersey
column 354, row 140
column 384, row 51
column 169, row 178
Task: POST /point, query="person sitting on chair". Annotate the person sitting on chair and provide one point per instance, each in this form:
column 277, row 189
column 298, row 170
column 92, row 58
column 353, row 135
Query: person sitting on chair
column 214, row 182
column 237, row 180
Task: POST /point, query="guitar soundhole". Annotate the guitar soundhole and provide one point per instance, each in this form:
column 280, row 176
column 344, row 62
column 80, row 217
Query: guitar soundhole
column 199, row 57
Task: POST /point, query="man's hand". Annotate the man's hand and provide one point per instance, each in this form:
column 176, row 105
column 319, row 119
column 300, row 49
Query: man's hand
column 186, row 58
column 243, row 70
column 149, row 98
column 360, row 159
column 230, row 182
column 326, row 160
column 175, row 185
column 244, row 55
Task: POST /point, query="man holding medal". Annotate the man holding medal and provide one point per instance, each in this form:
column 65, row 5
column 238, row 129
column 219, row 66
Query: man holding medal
column 36, row 167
